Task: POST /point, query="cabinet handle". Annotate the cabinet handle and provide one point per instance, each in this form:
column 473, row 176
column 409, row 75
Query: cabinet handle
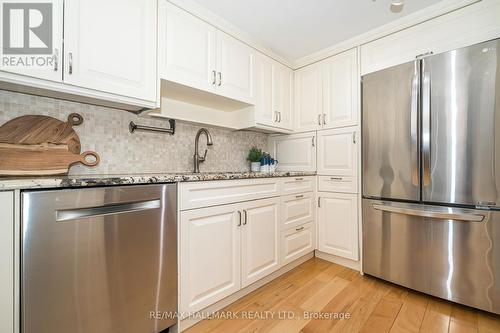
column 299, row 179
column 313, row 144
column 319, row 119
column 214, row 77
column 246, row 217
column 298, row 229
column 275, row 116
column 239, row 219
column 56, row 60
column 279, row 117
column 220, row 79
column 319, row 202
column 353, row 137
column 324, row 118
column 335, row 178
column 299, row 196
column 70, row 61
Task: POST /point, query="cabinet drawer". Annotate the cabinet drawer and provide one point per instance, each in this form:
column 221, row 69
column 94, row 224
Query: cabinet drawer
column 295, row 185
column 297, row 242
column 297, row 209
column 345, row 184
column 214, row 193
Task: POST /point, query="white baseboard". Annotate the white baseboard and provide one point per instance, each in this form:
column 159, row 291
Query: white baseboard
column 356, row 265
column 188, row 322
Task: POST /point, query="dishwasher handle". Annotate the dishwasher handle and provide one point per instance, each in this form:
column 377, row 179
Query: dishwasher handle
column 114, row 209
column 453, row 214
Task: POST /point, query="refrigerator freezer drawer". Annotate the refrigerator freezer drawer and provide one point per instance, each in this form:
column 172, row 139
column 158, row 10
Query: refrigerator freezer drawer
column 447, row 252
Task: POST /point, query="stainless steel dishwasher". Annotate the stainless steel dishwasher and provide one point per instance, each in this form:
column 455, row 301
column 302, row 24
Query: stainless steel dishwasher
column 99, row 260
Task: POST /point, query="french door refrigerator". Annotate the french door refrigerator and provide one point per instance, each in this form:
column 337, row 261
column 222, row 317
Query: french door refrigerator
column 431, row 175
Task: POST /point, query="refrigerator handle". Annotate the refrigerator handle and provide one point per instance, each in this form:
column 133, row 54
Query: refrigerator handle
column 426, row 125
column 450, row 214
column 415, row 94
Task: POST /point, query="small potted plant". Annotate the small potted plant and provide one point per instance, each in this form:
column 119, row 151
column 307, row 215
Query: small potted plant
column 254, row 156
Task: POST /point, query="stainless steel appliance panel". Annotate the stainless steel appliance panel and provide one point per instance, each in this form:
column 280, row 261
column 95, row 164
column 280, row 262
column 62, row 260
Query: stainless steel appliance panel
column 98, row 260
column 461, row 115
column 395, row 246
column 447, row 252
column 390, row 101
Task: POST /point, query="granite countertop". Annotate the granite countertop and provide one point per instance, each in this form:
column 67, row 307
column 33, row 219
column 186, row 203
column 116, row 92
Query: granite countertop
column 109, row 180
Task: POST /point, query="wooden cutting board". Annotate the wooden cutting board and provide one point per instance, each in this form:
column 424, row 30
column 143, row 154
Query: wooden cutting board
column 33, row 130
column 41, row 159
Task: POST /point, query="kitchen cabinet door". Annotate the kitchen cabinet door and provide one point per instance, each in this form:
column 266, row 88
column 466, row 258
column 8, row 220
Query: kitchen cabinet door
column 265, row 113
column 260, row 239
column 51, row 73
column 7, row 262
column 282, row 82
column 340, row 90
column 234, row 69
column 110, row 46
column 338, row 224
column 337, row 152
column 295, row 152
column 210, row 255
column 308, row 98
column 186, row 48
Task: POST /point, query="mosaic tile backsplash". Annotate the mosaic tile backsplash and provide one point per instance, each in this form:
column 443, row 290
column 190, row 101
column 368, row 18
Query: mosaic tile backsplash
column 106, row 131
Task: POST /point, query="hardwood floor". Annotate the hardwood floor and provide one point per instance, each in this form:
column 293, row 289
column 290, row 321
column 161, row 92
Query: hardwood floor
column 372, row 305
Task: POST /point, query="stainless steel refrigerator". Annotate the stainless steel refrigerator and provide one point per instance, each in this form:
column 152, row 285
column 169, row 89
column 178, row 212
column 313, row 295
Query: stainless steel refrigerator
column 431, row 175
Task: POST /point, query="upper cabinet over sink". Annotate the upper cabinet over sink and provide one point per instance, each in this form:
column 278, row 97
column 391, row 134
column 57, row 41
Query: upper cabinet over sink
column 326, row 93
column 196, row 55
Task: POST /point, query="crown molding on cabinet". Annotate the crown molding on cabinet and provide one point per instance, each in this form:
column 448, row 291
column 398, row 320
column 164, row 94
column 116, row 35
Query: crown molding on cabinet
column 218, row 22
column 439, row 9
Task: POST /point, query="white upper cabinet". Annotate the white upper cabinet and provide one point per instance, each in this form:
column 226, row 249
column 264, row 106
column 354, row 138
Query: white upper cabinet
column 53, row 73
column 308, row 98
column 337, row 152
column 273, row 93
column 264, row 111
column 338, row 224
column 326, row 93
column 295, row 152
column 234, row 68
column 110, row 46
column 472, row 24
column 195, row 54
column 188, row 48
column 340, row 90
column 260, row 239
column 282, row 79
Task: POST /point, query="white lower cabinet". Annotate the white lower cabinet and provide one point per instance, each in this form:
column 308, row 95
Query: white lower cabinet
column 297, row 209
column 210, row 255
column 297, row 241
column 7, row 262
column 338, row 224
column 294, row 152
column 228, row 247
column 259, row 239
column 225, row 248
